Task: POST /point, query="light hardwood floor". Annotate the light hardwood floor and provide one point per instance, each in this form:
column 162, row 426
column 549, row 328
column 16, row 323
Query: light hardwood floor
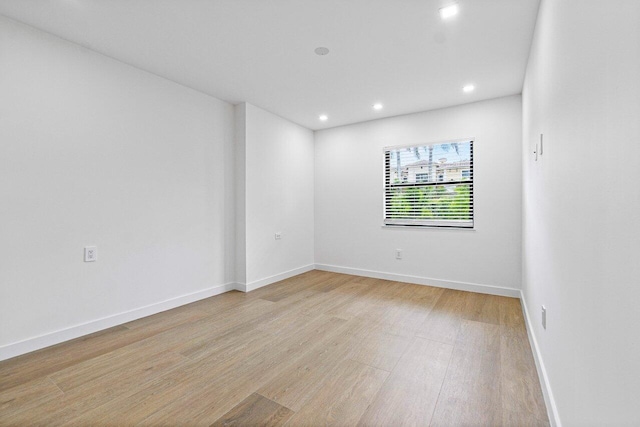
column 317, row 349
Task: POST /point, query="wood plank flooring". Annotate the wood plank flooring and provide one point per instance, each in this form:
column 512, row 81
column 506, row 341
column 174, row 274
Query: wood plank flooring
column 317, row 349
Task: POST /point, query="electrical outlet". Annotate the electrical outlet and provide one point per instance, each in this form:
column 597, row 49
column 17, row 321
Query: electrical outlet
column 278, row 235
column 398, row 253
column 90, row 253
column 544, row 317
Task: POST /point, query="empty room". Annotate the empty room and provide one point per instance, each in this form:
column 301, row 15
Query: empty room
column 307, row 213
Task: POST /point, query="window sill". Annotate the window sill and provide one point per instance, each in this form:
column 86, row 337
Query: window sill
column 426, row 227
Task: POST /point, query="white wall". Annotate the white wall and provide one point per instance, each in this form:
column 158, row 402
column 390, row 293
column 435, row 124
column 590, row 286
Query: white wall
column 278, row 197
column 349, row 195
column 240, row 184
column 94, row 152
column 580, row 207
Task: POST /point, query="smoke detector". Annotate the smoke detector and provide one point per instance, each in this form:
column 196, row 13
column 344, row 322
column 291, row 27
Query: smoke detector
column 321, row 51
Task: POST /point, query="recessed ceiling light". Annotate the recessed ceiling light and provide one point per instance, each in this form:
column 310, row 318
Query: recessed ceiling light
column 321, row 51
column 449, row 11
column 323, row 117
column 377, row 106
column 469, row 88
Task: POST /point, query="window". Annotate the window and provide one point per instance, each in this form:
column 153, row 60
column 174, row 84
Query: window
column 422, row 177
column 417, row 199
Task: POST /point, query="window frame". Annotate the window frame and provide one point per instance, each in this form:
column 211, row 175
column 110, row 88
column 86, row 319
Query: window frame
column 429, row 224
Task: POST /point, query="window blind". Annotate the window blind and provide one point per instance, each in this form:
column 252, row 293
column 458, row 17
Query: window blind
column 429, row 185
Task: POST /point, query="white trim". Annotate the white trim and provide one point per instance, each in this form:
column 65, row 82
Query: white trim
column 449, row 284
column 550, row 402
column 272, row 279
column 434, row 223
column 36, row 343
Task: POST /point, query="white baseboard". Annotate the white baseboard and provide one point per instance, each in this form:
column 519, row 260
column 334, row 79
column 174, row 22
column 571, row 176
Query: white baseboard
column 449, row 284
column 36, row 343
column 552, row 409
column 272, row 279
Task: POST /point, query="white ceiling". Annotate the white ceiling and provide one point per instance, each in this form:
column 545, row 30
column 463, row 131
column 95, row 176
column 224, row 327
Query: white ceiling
column 398, row 52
